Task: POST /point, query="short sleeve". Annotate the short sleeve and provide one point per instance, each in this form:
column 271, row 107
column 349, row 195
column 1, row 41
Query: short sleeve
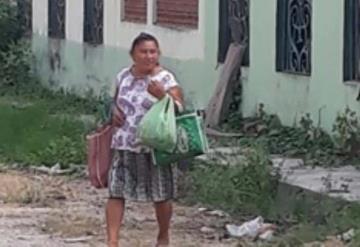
column 121, row 76
column 169, row 81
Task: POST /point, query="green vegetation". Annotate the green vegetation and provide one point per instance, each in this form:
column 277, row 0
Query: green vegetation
column 252, row 187
column 38, row 126
column 248, row 187
column 30, row 135
column 303, row 140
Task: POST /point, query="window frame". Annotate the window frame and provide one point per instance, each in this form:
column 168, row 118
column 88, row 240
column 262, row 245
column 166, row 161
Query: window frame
column 124, row 17
column 225, row 33
column 177, row 26
column 351, row 54
column 285, row 43
column 90, row 34
column 57, row 19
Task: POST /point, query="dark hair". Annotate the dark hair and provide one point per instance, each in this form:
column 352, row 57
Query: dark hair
column 141, row 38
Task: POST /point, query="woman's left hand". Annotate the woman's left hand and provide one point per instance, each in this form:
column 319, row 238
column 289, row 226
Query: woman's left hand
column 156, row 89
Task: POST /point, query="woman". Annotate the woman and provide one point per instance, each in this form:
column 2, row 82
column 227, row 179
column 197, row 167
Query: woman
column 133, row 176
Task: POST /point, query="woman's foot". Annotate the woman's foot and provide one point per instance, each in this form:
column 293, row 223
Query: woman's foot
column 162, row 245
column 163, row 241
column 113, row 244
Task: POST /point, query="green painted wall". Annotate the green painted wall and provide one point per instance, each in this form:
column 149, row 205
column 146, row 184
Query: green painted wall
column 290, row 96
column 78, row 66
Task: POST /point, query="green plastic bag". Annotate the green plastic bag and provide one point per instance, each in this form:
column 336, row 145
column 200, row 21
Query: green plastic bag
column 157, row 129
column 191, row 140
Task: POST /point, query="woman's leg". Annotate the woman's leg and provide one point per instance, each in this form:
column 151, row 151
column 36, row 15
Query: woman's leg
column 163, row 215
column 114, row 216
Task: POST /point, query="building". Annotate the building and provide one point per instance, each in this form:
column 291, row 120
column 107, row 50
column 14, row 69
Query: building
column 303, row 55
column 82, row 44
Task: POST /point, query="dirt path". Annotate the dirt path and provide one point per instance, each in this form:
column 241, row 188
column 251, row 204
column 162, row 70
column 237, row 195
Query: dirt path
column 40, row 211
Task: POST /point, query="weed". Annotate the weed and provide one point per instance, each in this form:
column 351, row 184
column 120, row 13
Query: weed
column 248, row 187
column 305, row 140
column 30, row 135
column 346, row 131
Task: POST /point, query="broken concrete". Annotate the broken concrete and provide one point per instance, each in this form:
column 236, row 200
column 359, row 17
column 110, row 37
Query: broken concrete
column 343, row 182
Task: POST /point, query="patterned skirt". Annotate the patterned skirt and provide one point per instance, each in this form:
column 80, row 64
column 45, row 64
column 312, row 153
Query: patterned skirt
column 133, row 176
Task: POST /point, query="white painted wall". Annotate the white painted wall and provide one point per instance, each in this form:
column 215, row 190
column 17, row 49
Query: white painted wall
column 40, row 17
column 74, row 27
column 179, row 44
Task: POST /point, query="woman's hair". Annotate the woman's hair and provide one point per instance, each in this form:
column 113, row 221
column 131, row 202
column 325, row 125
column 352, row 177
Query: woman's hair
column 141, row 38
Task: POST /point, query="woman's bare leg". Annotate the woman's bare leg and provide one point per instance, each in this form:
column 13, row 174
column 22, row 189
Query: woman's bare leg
column 163, row 215
column 114, row 216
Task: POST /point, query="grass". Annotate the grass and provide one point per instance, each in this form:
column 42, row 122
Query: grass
column 252, row 188
column 246, row 188
column 30, row 135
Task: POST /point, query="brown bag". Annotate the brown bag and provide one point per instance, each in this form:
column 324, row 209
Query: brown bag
column 99, row 152
column 99, row 155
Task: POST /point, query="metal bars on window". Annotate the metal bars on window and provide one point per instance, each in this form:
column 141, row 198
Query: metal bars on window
column 25, row 16
column 234, row 27
column 56, row 17
column 93, row 21
column 352, row 40
column 239, row 20
column 293, row 53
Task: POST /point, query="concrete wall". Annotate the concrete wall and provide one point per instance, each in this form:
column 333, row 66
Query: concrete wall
column 191, row 54
column 288, row 95
column 69, row 63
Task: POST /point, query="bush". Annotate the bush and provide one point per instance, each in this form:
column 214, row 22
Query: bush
column 247, row 188
column 15, row 68
column 11, row 29
column 15, row 52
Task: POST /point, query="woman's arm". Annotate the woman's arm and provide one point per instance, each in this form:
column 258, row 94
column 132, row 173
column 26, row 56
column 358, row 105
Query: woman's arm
column 177, row 94
column 156, row 89
column 118, row 117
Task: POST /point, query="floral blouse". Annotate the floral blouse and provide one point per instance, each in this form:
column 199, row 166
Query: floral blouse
column 134, row 100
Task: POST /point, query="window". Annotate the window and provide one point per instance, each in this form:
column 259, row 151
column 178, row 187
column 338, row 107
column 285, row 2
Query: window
column 234, row 27
column 177, row 13
column 25, row 15
column 135, row 10
column 56, row 17
column 352, row 41
column 293, row 44
column 93, row 21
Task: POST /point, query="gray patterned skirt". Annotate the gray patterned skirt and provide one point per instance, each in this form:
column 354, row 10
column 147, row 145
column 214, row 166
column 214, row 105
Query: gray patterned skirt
column 133, row 176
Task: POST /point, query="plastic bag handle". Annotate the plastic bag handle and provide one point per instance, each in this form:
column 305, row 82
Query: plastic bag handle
column 167, row 106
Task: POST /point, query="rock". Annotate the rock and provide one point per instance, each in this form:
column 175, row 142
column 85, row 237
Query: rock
column 347, row 236
column 77, row 240
column 207, row 230
column 333, row 242
column 218, row 213
column 267, row 235
column 202, row 210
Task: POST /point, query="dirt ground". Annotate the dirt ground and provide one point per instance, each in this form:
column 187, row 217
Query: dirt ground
column 39, row 210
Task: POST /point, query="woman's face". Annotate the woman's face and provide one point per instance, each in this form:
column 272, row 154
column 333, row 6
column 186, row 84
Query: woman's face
column 146, row 56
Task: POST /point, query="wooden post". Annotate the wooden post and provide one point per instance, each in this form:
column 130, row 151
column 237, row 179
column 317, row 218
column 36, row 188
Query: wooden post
column 218, row 106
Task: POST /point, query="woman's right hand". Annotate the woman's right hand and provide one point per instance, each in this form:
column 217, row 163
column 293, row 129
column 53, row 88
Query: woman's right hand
column 118, row 117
